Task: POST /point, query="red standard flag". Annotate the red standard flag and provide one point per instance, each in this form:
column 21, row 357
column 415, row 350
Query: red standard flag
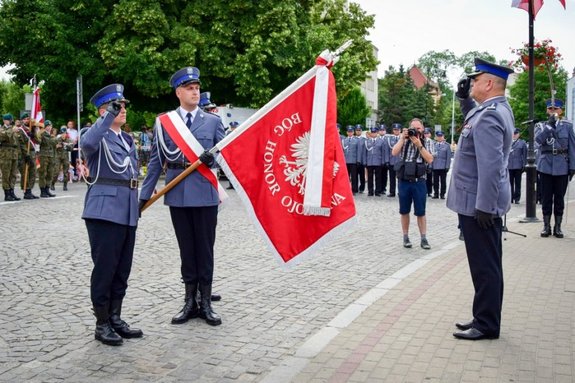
column 537, row 4
column 36, row 112
column 288, row 167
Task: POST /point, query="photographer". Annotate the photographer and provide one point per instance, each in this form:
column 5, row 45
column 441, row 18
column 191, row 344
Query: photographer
column 411, row 173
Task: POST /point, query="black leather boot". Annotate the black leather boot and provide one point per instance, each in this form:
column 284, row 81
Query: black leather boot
column 65, row 188
column 14, row 195
column 546, row 226
column 43, row 193
column 557, row 228
column 121, row 327
column 215, row 297
column 190, row 309
column 28, row 194
column 104, row 331
column 47, row 188
column 206, row 311
column 8, row 195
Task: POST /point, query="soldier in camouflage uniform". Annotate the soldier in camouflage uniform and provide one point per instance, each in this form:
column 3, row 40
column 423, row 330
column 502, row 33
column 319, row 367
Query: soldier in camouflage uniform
column 28, row 144
column 8, row 157
column 63, row 146
column 47, row 153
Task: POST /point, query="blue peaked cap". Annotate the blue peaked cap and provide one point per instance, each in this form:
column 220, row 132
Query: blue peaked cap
column 185, row 76
column 483, row 66
column 112, row 92
column 557, row 104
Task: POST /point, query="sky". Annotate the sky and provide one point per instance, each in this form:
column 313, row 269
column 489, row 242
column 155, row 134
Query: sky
column 405, row 30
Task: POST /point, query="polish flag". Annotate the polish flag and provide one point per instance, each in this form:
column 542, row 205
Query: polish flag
column 288, row 167
column 36, row 112
column 537, row 4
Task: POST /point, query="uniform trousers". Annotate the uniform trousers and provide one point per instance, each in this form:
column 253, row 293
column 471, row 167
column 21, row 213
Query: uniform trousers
column 374, row 172
column 8, row 167
column 392, row 181
column 515, row 180
column 439, row 177
column 553, row 189
column 28, row 173
column 112, row 247
column 361, row 176
column 352, row 172
column 484, row 254
column 429, row 181
column 195, row 229
column 384, row 178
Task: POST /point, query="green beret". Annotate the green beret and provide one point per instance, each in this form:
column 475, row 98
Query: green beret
column 7, row 116
column 24, row 115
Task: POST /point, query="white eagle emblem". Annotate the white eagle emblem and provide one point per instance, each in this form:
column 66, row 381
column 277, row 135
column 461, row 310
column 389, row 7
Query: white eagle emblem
column 296, row 170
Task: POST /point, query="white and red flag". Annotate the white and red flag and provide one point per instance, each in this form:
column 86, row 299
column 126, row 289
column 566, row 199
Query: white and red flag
column 537, row 4
column 288, row 167
column 36, row 112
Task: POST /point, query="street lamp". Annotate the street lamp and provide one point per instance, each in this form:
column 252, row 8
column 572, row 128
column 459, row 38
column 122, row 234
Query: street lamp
column 452, row 116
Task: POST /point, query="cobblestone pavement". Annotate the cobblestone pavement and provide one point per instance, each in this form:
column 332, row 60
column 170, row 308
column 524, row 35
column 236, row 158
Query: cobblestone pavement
column 268, row 312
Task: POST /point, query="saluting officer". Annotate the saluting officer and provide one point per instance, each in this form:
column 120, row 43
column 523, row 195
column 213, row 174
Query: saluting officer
column 47, row 152
column 374, row 162
column 440, row 165
column 555, row 164
column 111, row 212
column 9, row 157
column 194, row 201
column 350, row 150
column 479, row 191
column 516, row 166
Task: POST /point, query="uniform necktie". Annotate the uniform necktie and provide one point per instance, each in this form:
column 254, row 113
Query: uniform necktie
column 189, row 121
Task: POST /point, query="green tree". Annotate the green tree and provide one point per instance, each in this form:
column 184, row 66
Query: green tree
column 352, row 109
column 11, row 98
column 246, row 51
column 519, row 93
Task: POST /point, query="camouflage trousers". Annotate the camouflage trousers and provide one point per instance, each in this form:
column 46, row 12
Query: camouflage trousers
column 28, row 173
column 45, row 173
column 9, row 169
column 61, row 163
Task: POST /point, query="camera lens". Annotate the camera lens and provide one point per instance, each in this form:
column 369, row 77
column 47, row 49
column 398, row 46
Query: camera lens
column 411, row 132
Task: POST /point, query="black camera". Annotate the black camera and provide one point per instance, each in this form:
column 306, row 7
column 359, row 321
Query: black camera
column 412, row 132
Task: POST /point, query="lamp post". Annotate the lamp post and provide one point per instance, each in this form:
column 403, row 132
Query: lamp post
column 452, row 116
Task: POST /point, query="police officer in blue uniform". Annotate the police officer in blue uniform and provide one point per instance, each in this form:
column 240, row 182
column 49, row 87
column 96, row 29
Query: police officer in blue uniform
column 479, row 190
column 351, row 149
column 206, row 103
column 361, row 157
column 194, row 201
column 391, row 141
column 440, row 165
column 374, row 163
column 111, row 212
column 385, row 154
column 556, row 164
column 516, row 166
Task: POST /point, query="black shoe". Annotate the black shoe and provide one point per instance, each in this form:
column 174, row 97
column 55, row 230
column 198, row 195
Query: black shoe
column 44, row 193
column 106, row 334
column 52, row 187
column 473, row 334
column 442, row 197
column 425, row 244
column 65, row 188
column 434, row 197
column 407, row 243
column 8, row 196
column 391, row 195
column 120, row 326
column 206, row 311
column 16, row 198
column 216, row 297
column 464, row 325
column 378, row 194
column 370, row 194
column 190, row 309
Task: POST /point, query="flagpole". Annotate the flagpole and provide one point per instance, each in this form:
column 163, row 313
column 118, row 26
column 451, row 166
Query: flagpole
column 29, row 138
column 530, row 169
column 261, row 112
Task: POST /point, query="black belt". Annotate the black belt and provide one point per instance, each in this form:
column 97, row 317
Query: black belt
column 554, row 151
column 131, row 183
column 178, row 165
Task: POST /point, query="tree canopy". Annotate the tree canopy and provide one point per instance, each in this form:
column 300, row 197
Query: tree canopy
column 247, row 51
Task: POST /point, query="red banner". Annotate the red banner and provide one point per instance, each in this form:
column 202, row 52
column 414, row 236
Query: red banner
column 266, row 159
